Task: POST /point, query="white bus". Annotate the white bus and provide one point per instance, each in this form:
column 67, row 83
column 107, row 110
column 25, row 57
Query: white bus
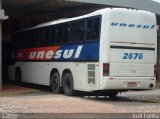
column 108, row 50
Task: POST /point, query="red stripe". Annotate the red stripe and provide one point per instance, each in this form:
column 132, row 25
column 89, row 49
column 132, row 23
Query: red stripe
column 23, row 54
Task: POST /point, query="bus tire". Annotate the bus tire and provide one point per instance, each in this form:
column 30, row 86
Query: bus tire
column 18, row 76
column 68, row 85
column 55, row 83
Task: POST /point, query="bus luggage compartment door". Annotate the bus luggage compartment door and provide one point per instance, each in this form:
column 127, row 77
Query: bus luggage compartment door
column 132, row 62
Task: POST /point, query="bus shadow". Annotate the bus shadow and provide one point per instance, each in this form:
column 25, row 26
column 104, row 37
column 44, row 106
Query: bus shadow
column 32, row 86
column 36, row 86
column 120, row 99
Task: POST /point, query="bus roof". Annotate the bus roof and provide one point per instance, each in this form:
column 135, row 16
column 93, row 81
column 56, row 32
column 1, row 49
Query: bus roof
column 98, row 12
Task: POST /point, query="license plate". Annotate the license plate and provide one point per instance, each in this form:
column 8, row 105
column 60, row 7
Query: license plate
column 132, row 84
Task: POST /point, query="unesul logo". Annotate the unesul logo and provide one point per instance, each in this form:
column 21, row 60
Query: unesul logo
column 138, row 26
column 49, row 53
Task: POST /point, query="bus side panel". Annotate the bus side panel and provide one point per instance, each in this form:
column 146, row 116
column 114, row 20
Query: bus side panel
column 86, row 75
column 35, row 72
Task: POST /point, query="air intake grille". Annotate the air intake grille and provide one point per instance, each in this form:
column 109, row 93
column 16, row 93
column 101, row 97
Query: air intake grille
column 91, row 74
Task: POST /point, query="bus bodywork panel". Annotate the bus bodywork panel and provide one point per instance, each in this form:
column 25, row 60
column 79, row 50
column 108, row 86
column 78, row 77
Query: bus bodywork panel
column 136, row 66
column 131, row 38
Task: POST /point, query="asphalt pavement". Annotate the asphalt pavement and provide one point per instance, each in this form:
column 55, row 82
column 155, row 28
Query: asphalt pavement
column 20, row 101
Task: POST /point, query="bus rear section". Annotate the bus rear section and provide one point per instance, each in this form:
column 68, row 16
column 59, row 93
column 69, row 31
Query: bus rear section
column 132, row 45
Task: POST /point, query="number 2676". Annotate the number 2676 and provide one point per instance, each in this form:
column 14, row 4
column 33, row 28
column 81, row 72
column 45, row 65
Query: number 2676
column 133, row 56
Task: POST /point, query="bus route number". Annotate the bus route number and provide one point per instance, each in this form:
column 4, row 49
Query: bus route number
column 133, row 56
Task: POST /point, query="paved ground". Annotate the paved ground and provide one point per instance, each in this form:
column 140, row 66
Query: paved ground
column 44, row 102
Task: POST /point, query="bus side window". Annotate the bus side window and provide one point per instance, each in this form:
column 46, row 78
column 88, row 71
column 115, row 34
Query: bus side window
column 73, row 32
column 65, row 32
column 47, row 35
column 81, row 27
column 32, row 38
column 77, row 31
column 28, row 38
column 23, row 41
column 97, row 23
column 40, row 37
column 93, row 28
column 36, row 39
column 42, row 33
column 51, row 33
column 58, row 34
column 62, row 33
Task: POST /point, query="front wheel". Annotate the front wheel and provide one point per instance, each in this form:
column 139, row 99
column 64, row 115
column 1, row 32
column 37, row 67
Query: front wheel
column 68, row 85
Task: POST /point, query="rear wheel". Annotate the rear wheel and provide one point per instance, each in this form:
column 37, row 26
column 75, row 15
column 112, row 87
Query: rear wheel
column 68, row 85
column 55, row 83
